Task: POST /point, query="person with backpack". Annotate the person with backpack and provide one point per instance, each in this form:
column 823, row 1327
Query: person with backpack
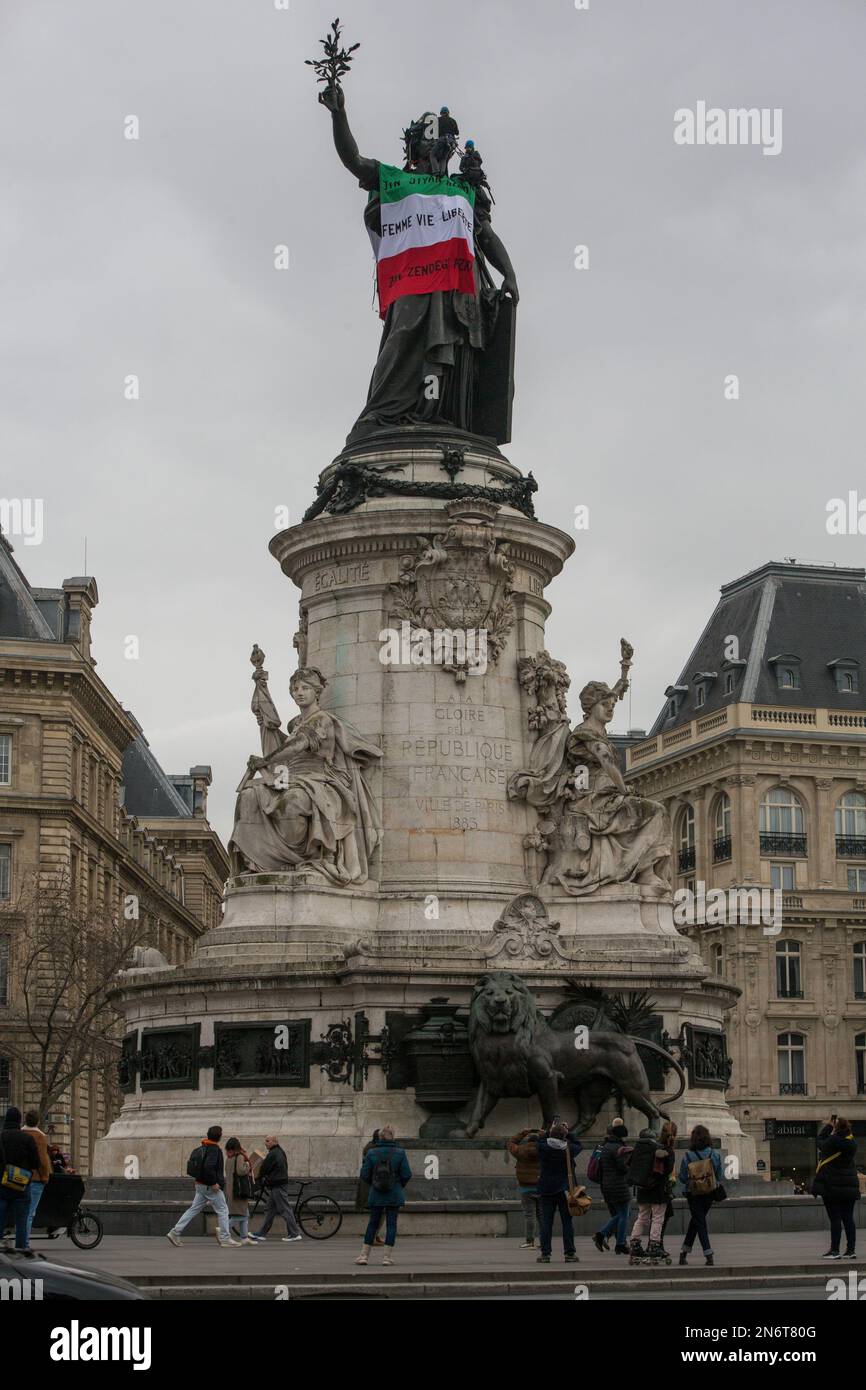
column 239, row 1190
column 556, row 1151
column 205, row 1166
column 274, row 1178
column 524, row 1148
column 648, row 1170
column 613, row 1177
column 837, row 1184
column 386, row 1170
column 19, row 1164
column 701, row 1177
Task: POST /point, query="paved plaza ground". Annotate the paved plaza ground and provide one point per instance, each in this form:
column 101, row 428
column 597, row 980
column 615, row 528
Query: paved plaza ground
column 456, row 1267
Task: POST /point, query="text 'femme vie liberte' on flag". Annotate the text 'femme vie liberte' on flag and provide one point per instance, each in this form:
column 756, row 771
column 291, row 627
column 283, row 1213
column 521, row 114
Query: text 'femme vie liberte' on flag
column 427, row 235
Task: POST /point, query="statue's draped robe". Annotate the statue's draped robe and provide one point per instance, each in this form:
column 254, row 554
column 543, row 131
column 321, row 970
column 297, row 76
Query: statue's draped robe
column 438, row 334
column 326, row 779
column 597, row 836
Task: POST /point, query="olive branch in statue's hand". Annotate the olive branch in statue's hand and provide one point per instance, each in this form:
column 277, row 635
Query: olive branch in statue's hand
column 332, row 67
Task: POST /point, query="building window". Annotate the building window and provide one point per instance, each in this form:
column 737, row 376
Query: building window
column 5, row 945
column 783, row 824
column 730, row 682
column 672, row 710
column 5, row 873
column 783, row 877
column 857, row 880
column 791, row 1052
column 860, row 1062
column 718, row 960
column 846, row 674
column 722, row 828
column 5, row 1083
column 789, row 983
column 700, row 696
column 851, row 826
column 788, row 678
column 5, row 760
column 860, row 970
column 687, row 840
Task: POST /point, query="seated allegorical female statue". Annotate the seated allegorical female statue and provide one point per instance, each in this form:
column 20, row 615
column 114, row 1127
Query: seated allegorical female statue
column 306, row 802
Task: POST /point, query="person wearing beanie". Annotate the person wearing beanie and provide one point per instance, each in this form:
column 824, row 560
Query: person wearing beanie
column 615, row 1190
column 650, row 1167
column 19, row 1160
column 43, row 1172
column 556, row 1154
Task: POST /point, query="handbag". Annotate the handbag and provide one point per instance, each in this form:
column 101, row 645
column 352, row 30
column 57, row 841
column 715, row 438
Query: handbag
column 578, row 1199
column 720, row 1193
column 15, row 1180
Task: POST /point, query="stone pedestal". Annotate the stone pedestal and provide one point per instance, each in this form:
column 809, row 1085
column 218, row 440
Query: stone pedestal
column 349, row 969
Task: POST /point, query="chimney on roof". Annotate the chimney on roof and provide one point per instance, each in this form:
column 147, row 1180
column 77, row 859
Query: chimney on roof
column 201, row 780
column 81, row 599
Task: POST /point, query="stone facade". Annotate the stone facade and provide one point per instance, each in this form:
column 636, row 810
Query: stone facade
column 770, row 792
column 65, row 810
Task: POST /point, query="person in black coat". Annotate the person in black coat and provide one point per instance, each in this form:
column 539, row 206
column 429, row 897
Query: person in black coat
column 615, row 1187
column 18, row 1149
column 836, row 1182
column 556, row 1150
column 273, row 1176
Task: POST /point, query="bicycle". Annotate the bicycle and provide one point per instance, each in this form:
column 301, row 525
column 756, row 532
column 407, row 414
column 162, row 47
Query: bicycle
column 319, row 1216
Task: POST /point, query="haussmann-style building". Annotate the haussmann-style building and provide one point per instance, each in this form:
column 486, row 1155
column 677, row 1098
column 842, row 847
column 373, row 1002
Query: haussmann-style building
column 760, row 755
column 81, row 794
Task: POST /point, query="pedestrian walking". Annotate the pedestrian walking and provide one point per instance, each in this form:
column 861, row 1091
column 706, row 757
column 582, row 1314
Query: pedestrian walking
column 668, row 1138
column 701, row 1177
column 524, row 1148
column 837, row 1184
column 207, row 1169
column 19, row 1161
column 556, row 1151
column 649, row 1168
column 43, row 1172
column 613, row 1179
column 239, row 1190
column 274, row 1176
column 386, row 1171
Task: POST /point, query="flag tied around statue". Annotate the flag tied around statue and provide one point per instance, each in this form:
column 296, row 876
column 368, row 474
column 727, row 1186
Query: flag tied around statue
column 427, row 235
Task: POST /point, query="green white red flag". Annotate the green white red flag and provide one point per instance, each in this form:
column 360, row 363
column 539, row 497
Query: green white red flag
column 427, row 235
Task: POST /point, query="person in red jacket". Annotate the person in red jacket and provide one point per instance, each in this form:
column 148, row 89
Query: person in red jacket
column 524, row 1148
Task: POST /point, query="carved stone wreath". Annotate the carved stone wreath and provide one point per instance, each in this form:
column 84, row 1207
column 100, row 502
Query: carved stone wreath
column 459, row 582
column 524, row 929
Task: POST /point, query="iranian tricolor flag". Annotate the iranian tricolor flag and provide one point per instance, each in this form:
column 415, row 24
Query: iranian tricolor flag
column 426, row 242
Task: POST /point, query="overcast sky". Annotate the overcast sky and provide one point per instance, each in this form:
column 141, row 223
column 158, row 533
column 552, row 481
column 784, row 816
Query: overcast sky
column 155, row 257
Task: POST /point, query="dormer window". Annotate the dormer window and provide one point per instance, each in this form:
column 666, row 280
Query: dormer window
column 787, row 669
column 675, row 696
column 733, row 669
column 730, row 682
column 702, row 681
column 846, row 674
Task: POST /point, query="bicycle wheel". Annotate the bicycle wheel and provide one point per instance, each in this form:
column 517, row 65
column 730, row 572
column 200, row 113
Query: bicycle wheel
column 320, row 1217
column 85, row 1229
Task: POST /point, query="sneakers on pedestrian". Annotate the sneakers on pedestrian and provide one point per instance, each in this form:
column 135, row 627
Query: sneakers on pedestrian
column 287, row 1240
column 175, row 1240
column 831, row 1255
column 224, row 1244
column 849, row 1255
column 542, row 1260
column 572, row 1259
column 620, row 1249
column 526, row 1245
column 248, row 1240
column 387, row 1258
column 258, row 1240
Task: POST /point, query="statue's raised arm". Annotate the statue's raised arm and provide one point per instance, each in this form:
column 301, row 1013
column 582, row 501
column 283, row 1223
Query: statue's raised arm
column 334, row 98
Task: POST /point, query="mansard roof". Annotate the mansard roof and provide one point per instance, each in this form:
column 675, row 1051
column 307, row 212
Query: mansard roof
column 812, row 615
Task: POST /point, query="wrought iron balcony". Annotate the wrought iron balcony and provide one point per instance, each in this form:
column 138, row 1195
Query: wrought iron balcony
column 721, row 849
column 789, row 993
column 687, row 859
column 792, row 1088
column 851, row 846
column 794, row 845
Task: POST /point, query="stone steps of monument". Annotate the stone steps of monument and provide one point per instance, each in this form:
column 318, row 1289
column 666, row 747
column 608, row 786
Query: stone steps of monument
column 546, row 1282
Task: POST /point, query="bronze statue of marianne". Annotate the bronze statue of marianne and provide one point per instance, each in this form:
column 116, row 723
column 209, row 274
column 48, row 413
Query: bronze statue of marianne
column 446, row 354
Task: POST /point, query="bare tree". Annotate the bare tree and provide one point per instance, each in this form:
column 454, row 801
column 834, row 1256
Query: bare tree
column 63, row 1026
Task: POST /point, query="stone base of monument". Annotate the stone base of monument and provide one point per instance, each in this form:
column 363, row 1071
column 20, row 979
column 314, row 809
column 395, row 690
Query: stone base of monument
column 368, row 997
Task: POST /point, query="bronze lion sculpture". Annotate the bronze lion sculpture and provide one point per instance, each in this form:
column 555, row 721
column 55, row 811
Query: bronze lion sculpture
column 517, row 1053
